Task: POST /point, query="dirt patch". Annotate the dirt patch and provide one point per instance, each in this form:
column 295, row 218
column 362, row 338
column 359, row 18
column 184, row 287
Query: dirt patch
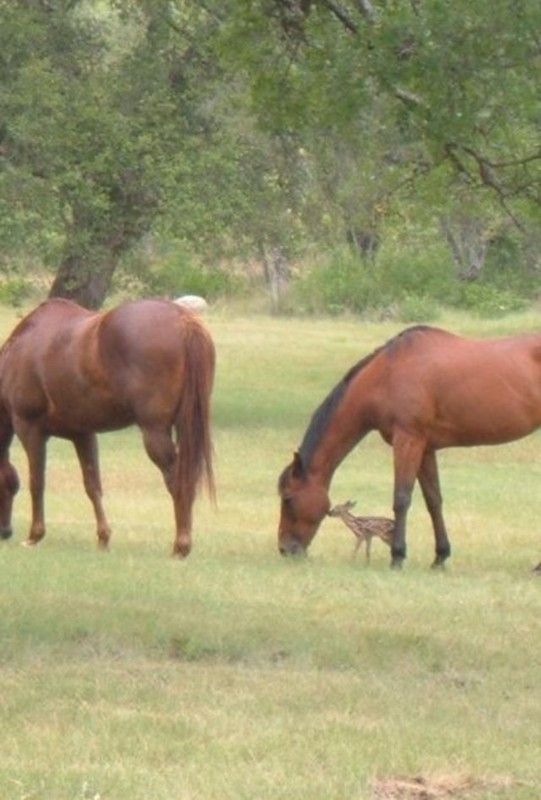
column 435, row 787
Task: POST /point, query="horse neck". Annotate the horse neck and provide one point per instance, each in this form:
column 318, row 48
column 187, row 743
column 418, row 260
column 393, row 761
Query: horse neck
column 349, row 424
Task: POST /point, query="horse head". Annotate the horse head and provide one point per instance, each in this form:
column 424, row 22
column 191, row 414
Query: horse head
column 9, row 486
column 304, row 503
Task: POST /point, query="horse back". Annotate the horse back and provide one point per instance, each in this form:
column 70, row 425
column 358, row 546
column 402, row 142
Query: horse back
column 456, row 390
column 72, row 370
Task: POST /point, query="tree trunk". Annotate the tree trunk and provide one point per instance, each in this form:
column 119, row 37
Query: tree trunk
column 277, row 274
column 84, row 278
column 468, row 241
column 364, row 243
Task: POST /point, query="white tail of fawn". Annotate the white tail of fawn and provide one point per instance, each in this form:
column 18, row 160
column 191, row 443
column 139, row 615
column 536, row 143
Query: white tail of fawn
column 364, row 528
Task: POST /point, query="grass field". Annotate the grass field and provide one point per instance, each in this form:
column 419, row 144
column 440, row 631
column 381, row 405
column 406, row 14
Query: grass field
column 240, row 675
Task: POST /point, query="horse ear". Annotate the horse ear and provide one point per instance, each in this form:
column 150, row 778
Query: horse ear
column 297, row 468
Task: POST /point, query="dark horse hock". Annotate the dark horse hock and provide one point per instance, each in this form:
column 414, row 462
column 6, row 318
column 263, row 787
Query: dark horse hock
column 69, row 372
column 424, row 390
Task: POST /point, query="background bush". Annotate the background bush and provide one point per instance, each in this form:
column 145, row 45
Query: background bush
column 411, row 284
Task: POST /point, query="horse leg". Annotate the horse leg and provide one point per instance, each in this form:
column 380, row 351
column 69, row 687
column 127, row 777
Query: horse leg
column 407, row 454
column 161, row 450
column 34, row 443
column 9, row 480
column 430, row 486
column 86, row 447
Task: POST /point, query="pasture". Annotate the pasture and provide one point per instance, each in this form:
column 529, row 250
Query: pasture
column 238, row 674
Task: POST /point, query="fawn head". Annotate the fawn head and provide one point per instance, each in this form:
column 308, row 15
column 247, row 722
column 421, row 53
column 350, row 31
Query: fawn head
column 342, row 508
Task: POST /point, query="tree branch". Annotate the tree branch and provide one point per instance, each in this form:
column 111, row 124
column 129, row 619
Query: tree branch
column 511, row 215
column 450, row 152
column 409, row 98
column 488, row 178
column 342, row 15
column 516, row 162
column 366, row 8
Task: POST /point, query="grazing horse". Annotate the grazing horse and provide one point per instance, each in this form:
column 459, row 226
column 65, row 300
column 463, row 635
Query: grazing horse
column 423, row 390
column 69, row 372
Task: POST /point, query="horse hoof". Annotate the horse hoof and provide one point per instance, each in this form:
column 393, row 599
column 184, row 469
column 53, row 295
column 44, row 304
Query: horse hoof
column 537, row 569
column 181, row 550
column 29, row 543
column 396, row 565
column 437, row 564
column 180, row 555
column 6, row 533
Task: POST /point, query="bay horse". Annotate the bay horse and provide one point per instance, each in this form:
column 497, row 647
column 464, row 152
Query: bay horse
column 424, row 390
column 72, row 373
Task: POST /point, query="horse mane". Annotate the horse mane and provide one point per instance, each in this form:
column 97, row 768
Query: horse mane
column 322, row 415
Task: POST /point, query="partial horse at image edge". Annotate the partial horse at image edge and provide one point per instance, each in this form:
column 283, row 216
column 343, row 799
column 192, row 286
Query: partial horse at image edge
column 72, row 373
column 424, row 390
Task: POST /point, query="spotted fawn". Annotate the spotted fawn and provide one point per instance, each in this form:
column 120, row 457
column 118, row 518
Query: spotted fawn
column 364, row 528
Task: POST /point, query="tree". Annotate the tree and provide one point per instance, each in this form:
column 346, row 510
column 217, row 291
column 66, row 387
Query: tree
column 458, row 85
column 99, row 117
column 257, row 129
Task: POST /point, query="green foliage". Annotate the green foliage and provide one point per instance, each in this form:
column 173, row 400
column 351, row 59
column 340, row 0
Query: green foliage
column 339, row 283
column 394, row 284
column 170, row 268
column 422, row 271
column 14, row 291
column 177, row 276
column 242, row 127
column 487, row 300
column 407, row 105
column 409, row 284
column 418, row 308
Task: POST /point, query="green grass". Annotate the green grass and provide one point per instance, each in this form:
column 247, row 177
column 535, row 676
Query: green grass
column 238, row 674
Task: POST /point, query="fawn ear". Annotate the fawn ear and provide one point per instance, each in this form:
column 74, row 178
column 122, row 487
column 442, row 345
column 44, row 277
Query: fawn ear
column 297, row 468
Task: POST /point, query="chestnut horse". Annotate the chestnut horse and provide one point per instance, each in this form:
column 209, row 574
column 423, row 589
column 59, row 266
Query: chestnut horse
column 423, row 390
column 69, row 372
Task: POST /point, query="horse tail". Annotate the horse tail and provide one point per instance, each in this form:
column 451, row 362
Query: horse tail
column 192, row 422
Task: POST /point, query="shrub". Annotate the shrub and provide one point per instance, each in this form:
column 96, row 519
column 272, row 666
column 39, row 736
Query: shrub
column 410, row 285
column 487, row 300
column 342, row 282
column 14, row 291
column 417, row 273
column 178, row 279
column 417, row 308
column 172, row 270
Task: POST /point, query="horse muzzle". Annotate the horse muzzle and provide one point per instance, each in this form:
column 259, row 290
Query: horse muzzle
column 291, row 547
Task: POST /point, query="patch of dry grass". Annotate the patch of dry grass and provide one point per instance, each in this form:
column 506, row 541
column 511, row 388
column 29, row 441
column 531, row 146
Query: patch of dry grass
column 439, row 786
